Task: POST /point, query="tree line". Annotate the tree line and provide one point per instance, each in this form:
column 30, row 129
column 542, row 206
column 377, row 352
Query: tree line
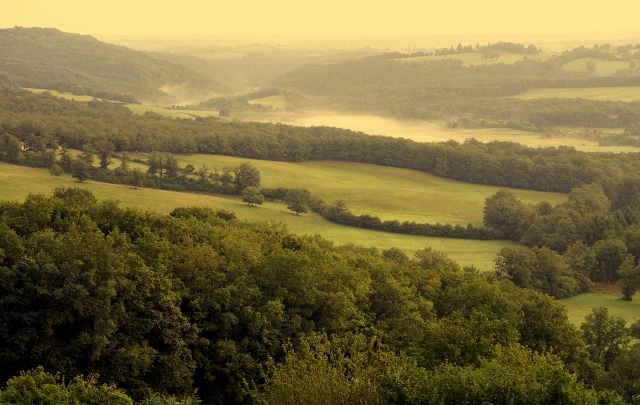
column 564, row 249
column 43, row 122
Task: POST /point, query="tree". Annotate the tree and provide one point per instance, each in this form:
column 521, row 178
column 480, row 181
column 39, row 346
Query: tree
column 38, row 387
column 123, row 170
column 628, row 278
column 591, row 66
column 137, row 178
column 10, row 149
column 56, row 171
column 251, row 195
column 246, row 176
column 104, row 149
column 296, row 200
column 604, row 335
column 80, row 170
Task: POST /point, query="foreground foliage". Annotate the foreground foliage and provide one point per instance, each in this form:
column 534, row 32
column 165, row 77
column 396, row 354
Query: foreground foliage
column 201, row 300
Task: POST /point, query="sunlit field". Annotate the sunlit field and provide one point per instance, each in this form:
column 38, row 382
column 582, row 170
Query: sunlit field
column 278, row 101
column 433, row 132
column 390, row 193
column 603, row 67
column 16, row 182
column 593, row 93
column 141, row 109
column 136, row 108
column 68, row 96
column 220, row 55
column 582, row 305
column 469, row 59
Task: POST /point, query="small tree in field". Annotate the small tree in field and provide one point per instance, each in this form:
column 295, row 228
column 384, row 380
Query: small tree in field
column 56, row 171
column 251, row 195
column 137, row 178
column 297, row 199
column 80, row 170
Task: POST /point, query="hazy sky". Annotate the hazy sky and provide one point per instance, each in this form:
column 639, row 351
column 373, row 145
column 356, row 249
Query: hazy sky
column 389, row 17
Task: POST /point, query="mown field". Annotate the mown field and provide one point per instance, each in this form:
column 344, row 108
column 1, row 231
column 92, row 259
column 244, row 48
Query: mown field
column 277, row 101
column 581, row 305
column 16, row 182
column 136, row 108
column 469, row 59
column 593, row 93
column 603, row 67
column 432, row 132
column 141, row 109
column 390, row 193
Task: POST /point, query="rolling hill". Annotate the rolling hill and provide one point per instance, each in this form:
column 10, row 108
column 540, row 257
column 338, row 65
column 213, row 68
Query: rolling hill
column 47, row 57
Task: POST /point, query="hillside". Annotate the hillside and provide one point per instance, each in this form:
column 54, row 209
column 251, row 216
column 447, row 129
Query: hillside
column 45, row 57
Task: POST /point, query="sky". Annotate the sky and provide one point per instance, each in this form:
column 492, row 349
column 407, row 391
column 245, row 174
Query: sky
column 344, row 17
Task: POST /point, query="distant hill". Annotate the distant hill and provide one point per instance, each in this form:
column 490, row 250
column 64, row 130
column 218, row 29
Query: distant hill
column 49, row 57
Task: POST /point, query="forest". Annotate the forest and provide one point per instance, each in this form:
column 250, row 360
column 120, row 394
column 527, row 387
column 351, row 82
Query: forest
column 250, row 313
column 52, row 59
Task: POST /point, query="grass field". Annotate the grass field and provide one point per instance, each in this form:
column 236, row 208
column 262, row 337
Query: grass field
column 469, row 59
column 141, row 109
column 430, row 132
column 136, row 108
column 18, row 181
column 68, row 96
column 220, row 55
column 390, row 193
column 581, row 305
column 603, row 67
column 277, row 101
column 593, row 93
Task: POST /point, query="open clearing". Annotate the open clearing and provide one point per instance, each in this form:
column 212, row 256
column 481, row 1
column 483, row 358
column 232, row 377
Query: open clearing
column 277, row 101
column 592, row 93
column 136, row 108
column 18, row 181
column 582, row 305
column 141, row 109
column 390, row 193
column 603, row 67
column 431, row 132
column 220, row 55
column 469, row 59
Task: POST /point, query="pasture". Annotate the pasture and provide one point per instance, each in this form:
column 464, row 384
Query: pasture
column 390, row 193
column 432, row 132
column 16, row 182
column 581, row 305
column 141, row 109
column 592, row 93
column 135, row 108
column 220, row 55
column 68, row 96
column 603, row 67
column 476, row 59
column 277, row 101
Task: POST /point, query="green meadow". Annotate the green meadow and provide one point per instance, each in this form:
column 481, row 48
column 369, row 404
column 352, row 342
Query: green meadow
column 16, row 182
column 136, row 108
column 592, row 93
column 277, row 101
column 390, row 193
column 603, row 67
column 220, row 55
column 581, row 305
column 141, row 109
column 68, row 96
column 469, row 59
column 432, row 132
